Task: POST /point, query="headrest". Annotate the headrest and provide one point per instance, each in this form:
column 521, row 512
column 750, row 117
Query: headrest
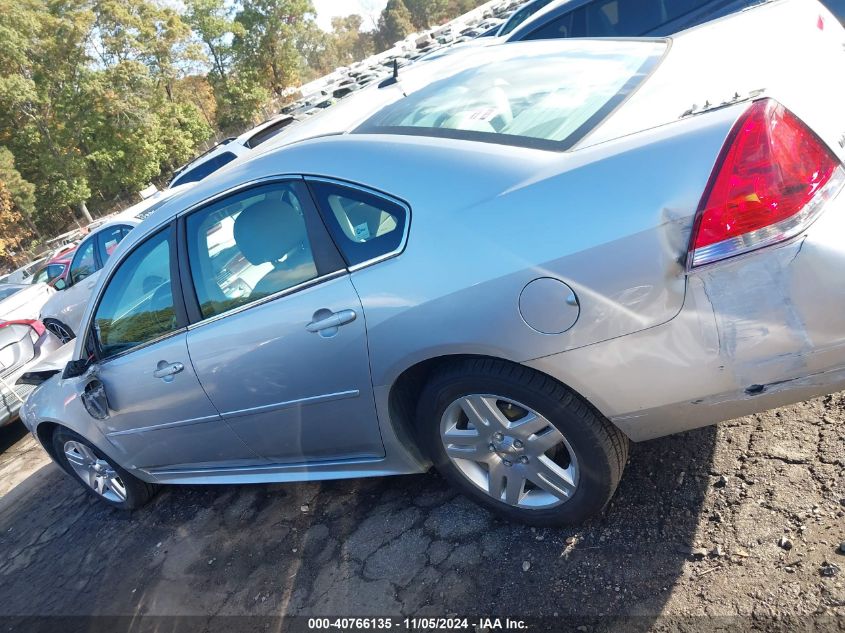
column 265, row 231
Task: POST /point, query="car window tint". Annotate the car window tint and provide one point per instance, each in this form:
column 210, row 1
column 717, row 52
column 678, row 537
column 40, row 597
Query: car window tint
column 84, row 262
column 41, row 277
column 550, row 104
column 204, row 169
column 363, row 225
column 521, row 15
column 249, row 246
column 137, row 305
column 109, row 239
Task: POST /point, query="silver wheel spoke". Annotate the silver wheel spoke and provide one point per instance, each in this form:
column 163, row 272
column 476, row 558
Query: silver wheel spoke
column 514, row 487
column 529, row 425
column 539, row 444
column 467, row 445
column 552, row 478
column 483, row 413
column 496, row 480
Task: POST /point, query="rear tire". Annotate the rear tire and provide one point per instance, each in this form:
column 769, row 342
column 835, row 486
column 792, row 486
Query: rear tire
column 520, row 443
column 98, row 474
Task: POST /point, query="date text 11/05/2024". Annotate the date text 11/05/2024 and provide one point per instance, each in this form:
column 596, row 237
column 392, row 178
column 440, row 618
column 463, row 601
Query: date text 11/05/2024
column 417, row 624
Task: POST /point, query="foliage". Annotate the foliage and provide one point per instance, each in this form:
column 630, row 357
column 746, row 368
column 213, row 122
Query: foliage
column 13, row 231
column 100, row 97
column 394, row 24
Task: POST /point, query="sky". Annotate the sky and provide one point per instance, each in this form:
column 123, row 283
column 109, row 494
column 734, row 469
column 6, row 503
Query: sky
column 368, row 9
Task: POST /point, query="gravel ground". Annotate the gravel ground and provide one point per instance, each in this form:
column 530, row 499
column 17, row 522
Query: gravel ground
column 744, row 519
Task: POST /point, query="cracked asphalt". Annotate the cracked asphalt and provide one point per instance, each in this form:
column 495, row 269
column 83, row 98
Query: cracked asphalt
column 744, row 519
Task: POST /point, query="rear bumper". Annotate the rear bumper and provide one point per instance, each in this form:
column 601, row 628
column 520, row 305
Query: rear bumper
column 761, row 331
column 11, row 401
column 13, row 395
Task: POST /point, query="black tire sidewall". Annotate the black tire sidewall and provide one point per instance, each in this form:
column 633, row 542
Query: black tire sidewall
column 137, row 491
column 596, row 480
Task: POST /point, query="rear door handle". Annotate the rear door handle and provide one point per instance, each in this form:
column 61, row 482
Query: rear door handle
column 327, row 322
column 166, row 371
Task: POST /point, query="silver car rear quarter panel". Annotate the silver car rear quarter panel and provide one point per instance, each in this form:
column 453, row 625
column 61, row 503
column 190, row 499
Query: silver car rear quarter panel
column 757, row 332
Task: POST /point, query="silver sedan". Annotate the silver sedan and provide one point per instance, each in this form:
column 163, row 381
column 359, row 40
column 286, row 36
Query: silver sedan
column 523, row 258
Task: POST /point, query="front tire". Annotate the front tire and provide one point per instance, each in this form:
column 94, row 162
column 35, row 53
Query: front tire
column 98, row 474
column 520, row 443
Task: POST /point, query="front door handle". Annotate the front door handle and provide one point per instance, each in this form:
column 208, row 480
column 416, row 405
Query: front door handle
column 166, row 371
column 327, row 322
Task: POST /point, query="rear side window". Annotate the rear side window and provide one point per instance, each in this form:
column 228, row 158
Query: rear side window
column 204, row 169
column 137, row 305
column 495, row 97
column 363, row 225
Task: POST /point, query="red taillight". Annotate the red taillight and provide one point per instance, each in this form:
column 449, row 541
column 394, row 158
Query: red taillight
column 769, row 184
column 38, row 326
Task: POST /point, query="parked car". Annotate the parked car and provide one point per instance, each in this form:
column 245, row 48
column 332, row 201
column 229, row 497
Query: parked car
column 54, row 272
column 62, row 313
column 23, row 344
column 630, row 18
column 588, row 253
column 22, row 274
column 22, row 301
column 225, row 152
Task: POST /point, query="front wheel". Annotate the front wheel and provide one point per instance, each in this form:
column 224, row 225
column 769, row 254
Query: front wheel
column 96, row 473
column 519, row 442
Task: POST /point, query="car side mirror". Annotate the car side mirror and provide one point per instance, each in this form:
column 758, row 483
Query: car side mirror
column 60, row 284
column 76, row 368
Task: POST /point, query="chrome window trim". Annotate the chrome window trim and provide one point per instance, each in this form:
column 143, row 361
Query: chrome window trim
column 235, row 189
column 153, row 341
column 380, row 194
column 264, row 300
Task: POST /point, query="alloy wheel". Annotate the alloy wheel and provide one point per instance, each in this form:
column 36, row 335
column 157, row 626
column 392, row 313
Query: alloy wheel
column 509, row 451
column 60, row 331
column 95, row 472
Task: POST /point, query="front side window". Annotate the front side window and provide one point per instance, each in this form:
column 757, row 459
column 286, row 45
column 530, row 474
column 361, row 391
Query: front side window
column 137, row 305
column 495, row 96
column 249, row 246
column 84, row 262
column 41, row 277
column 363, row 225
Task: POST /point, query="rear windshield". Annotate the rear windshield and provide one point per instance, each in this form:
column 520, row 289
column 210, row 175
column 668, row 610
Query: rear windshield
column 548, row 98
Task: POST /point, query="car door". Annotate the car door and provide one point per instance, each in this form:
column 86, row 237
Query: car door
column 159, row 415
column 279, row 342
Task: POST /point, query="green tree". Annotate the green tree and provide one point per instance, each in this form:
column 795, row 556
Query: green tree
column 21, row 191
column 426, row 13
column 270, row 41
column 394, row 24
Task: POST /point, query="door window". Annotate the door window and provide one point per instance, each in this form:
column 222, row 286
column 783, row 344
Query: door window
column 109, row 239
column 84, row 262
column 249, row 246
column 137, row 305
column 363, row 225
